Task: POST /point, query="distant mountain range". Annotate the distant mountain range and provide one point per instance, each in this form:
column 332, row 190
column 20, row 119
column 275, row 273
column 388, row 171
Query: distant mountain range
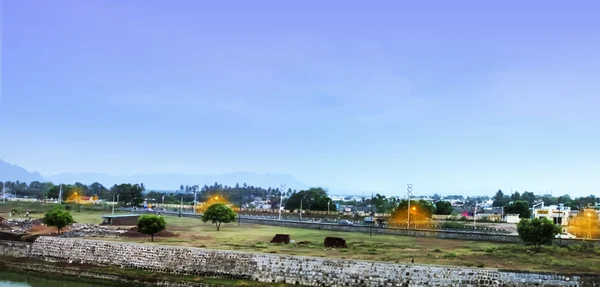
column 172, row 181
column 10, row 172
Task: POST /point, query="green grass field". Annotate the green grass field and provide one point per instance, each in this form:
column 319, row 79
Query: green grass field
column 387, row 248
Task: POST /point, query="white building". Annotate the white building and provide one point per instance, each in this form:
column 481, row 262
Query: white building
column 559, row 214
column 512, row 218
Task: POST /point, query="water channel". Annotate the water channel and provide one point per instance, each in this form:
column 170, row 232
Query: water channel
column 10, row 279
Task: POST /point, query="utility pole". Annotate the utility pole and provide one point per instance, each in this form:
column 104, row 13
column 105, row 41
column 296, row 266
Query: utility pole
column 114, row 203
column 60, row 194
column 241, row 204
column 194, row 211
column 281, row 200
column 372, row 219
column 3, row 192
column 301, row 208
column 409, row 188
column 181, row 205
column 474, row 214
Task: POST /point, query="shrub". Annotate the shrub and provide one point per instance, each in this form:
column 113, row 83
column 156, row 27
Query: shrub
column 151, row 224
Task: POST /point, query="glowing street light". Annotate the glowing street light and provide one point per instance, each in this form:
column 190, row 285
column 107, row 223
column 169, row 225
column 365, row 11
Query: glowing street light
column 589, row 215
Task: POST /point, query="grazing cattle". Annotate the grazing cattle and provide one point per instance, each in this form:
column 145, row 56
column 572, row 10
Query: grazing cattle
column 335, row 242
column 281, row 238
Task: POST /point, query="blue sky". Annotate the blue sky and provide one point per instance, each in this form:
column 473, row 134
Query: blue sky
column 451, row 96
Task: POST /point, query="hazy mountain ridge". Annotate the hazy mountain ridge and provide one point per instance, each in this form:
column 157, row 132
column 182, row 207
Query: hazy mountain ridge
column 167, row 181
column 11, row 172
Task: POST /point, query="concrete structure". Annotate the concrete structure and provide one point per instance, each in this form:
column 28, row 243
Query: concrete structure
column 558, row 214
column 120, row 219
column 512, row 218
column 271, row 268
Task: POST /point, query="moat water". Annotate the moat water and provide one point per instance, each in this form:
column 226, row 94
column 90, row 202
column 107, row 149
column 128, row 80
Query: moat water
column 9, row 279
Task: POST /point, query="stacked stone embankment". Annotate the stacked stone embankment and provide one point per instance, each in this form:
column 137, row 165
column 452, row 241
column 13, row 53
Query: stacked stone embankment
column 15, row 249
column 277, row 268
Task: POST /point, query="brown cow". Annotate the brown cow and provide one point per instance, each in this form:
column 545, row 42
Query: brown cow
column 335, row 242
column 281, row 238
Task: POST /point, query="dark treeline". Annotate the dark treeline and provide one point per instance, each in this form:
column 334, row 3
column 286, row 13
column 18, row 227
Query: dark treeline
column 316, row 199
column 501, row 199
column 136, row 193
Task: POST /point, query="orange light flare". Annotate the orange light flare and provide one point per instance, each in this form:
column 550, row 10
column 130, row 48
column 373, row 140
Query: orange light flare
column 202, row 206
column 585, row 225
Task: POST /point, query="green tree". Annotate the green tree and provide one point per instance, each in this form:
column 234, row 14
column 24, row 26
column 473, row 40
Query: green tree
column 130, row 194
column 515, row 196
column 500, row 199
column 537, row 231
column 382, row 204
column 151, row 224
column 520, row 207
column 58, row 217
column 217, row 214
column 529, row 197
column 443, row 208
column 314, row 198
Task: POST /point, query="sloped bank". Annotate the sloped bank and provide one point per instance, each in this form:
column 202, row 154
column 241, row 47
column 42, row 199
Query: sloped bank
column 269, row 268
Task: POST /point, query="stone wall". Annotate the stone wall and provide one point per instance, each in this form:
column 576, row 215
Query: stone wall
column 278, row 268
column 14, row 248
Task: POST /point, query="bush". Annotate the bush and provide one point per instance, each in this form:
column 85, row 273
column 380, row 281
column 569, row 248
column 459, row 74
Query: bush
column 450, row 255
column 537, row 231
column 218, row 213
column 58, row 217
column 151, row 224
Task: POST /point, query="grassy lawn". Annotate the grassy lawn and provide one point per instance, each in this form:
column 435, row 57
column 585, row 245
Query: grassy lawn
column 387, row 248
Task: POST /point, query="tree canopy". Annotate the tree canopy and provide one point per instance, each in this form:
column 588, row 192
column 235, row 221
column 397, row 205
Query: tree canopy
column 151, row 224
column 130, row 194
column 537, row 231
column 312, row 199
column 58, row 217
column 443, row 208
column 519, row 207
column 218, row 213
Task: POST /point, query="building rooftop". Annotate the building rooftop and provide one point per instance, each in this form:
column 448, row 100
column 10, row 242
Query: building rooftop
column 119, row 215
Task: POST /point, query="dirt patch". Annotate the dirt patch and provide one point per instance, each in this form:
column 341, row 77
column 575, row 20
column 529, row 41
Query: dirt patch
column 45, row 230
column 2, row 218
column 133, row 232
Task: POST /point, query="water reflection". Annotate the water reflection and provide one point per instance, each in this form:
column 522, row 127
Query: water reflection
column 8, row 279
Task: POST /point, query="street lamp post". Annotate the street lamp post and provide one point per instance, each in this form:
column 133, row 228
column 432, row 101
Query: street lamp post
column 589, row 225
column 409, row 192
column 114, row 203
column 301, row 208
column 281, row 200
column 474, row 215
column 414, row 209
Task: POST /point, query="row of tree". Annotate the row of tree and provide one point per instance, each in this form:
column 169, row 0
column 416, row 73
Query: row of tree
column 501, row 199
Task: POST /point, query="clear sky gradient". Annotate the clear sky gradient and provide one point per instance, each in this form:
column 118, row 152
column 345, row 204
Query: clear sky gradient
column 451, row 96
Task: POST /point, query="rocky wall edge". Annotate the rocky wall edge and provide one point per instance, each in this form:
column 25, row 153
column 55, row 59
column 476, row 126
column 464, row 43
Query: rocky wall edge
column 308, row 271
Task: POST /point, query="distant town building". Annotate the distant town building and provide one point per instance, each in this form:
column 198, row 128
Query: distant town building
column 512, row 218
column 559, row 214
